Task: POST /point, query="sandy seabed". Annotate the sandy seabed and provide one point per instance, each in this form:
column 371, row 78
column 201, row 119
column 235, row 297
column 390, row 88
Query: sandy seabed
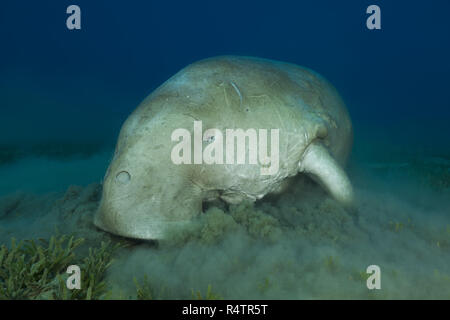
column 299, row 245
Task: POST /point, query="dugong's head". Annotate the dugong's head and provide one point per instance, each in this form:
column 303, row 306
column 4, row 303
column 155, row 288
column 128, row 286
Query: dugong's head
column 141, row 183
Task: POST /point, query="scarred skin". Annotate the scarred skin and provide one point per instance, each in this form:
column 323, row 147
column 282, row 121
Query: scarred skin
column 153, row 196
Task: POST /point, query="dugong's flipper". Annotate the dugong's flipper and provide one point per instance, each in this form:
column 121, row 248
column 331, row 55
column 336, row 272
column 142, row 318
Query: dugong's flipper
column 324, row 169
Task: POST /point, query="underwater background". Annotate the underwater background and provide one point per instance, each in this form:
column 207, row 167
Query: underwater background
column 64, row 95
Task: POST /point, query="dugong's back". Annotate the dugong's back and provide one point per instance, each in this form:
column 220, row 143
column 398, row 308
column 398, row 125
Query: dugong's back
column 245, row 92
column 315, row 137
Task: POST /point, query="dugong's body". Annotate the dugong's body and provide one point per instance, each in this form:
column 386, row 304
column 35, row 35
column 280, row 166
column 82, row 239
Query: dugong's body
column 146, row 194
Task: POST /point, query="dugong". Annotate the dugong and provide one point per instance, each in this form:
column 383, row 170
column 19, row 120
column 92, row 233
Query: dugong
column 147, row 194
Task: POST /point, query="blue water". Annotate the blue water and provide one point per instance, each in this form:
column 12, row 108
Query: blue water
column 80, row 85
column 65, row 93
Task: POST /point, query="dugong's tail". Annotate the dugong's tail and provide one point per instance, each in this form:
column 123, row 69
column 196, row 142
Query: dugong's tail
column 323, row 168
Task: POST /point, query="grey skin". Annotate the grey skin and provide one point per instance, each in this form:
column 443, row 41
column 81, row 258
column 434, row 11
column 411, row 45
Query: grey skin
column 146, row 195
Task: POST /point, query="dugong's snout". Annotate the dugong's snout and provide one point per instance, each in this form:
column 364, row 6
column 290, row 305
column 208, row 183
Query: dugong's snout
column 142, row 207
column 134, row 225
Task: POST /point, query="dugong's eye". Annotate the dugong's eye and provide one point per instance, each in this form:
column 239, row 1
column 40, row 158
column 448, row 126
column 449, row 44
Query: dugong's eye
column 123, row 177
